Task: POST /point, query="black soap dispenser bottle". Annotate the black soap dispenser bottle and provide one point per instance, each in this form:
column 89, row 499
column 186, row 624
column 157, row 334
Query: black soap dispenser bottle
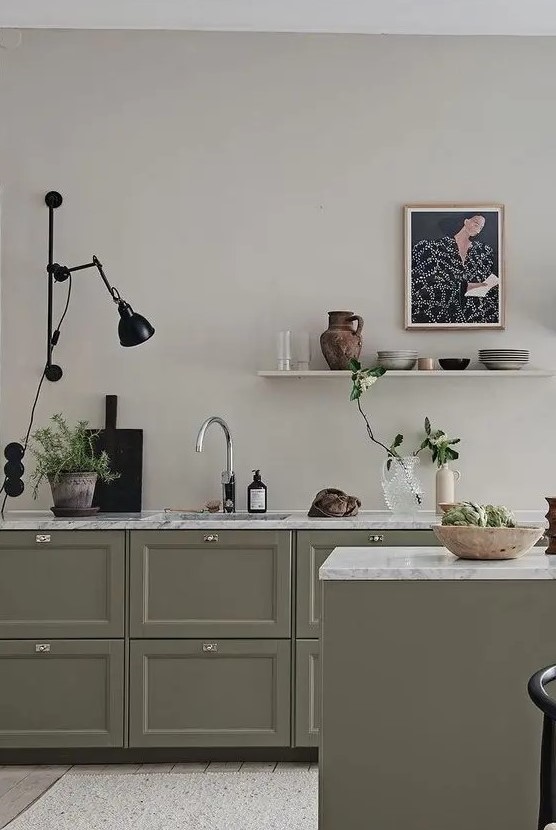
column 256, row 494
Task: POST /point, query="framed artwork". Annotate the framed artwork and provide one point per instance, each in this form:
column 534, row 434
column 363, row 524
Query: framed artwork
column 454, row 267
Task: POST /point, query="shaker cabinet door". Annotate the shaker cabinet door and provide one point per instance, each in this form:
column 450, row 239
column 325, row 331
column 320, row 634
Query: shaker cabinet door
column 61, row 693
column 307, row 692
column 65, row 583
column 210, row 583
column 314, row 546
column 219, row 693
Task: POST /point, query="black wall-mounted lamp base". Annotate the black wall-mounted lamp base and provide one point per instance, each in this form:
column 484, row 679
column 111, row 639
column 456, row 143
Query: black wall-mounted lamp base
column 53, row 372
column 53, row 199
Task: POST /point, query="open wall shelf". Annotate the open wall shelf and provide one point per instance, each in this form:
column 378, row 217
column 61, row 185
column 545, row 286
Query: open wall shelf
column 415, row 373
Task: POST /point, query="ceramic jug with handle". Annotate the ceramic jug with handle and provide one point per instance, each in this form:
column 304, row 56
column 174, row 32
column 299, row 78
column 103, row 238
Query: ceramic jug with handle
column 341, row 343
column 446, row 486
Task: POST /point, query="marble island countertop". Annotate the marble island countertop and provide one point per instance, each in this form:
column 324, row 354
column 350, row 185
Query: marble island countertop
column 429, row 563
column 282, row 520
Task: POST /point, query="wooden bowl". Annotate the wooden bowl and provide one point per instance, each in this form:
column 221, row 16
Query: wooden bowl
column 472, row 542
column 447, row 505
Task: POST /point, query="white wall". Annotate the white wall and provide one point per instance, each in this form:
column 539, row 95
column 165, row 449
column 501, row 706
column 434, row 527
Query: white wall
column 234, row 185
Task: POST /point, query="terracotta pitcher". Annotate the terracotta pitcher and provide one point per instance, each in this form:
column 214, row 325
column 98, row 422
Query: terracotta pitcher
column 340, row 343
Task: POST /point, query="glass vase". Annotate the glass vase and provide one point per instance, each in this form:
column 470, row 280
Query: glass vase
column 402, row 488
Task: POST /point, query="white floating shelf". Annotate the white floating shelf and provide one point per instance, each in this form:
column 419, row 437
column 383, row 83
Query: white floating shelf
column 415, row 373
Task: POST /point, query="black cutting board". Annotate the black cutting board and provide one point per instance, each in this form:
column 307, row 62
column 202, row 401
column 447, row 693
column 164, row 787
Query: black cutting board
column 125, row 448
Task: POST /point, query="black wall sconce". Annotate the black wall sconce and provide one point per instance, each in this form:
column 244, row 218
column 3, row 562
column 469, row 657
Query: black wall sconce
column 133, row 328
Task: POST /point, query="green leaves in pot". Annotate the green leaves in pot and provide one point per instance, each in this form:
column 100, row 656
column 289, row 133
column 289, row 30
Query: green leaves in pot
column 60, row 449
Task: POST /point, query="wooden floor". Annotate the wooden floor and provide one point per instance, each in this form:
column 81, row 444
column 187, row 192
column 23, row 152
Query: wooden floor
column 21, row 786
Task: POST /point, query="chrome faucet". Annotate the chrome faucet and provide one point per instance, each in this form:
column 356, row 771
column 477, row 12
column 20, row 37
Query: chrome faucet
column 228, row 476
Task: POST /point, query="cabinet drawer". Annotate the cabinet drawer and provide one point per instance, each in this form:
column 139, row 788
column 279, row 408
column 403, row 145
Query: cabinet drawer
column 62, row 583
column 307, row 692
column 210, row 693
column 61, row 693
column 313, row 547
column 210, row 584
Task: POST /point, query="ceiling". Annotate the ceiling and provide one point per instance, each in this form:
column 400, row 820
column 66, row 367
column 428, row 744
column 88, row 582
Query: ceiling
column 511, row 17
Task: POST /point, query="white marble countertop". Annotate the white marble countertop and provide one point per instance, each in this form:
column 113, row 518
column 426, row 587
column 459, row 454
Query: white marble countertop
column 426, row 563
column 284, row 520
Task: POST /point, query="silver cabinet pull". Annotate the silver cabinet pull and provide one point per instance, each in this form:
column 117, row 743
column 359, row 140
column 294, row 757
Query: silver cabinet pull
column 377, row 539
column 211, row 537
column 42, row 648
column 210, row 647
column 41, row 538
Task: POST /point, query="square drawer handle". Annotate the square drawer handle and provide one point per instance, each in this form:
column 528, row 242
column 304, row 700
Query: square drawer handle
column 42, row 648
column 376, row 538
column 211, row 537
column 210, row 647
column 41, row 538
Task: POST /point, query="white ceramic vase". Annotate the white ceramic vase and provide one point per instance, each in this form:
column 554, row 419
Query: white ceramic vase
column 446, row 485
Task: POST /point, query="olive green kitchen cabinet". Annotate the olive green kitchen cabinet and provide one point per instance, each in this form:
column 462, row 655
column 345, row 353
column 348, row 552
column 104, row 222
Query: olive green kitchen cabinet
column 210, row 693
column 61, row 693
column 67, row 583
column 314, row 546
column 210, row 583
column 307, row 693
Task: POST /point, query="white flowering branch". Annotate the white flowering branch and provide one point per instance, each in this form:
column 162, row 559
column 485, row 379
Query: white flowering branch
column 440, row 446
column 363, row 379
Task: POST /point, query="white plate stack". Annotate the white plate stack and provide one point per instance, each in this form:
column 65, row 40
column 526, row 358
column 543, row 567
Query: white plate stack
column 504, row 359
column 397, row 359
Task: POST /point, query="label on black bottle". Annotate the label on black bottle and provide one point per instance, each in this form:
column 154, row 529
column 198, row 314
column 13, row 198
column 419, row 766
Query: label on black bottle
column 257, row 499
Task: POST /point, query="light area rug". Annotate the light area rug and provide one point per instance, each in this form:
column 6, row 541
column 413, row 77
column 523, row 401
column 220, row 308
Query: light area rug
column 211, row 801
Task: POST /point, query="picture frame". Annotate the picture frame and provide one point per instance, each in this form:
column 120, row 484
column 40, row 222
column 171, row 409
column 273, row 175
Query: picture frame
column 454, row 266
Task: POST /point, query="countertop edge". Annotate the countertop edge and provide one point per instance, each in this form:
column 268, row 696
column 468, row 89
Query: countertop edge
column 296, row 520
column 410, row 563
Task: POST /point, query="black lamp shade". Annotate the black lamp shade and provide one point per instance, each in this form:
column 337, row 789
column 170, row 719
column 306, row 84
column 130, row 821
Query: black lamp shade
column 132, row 328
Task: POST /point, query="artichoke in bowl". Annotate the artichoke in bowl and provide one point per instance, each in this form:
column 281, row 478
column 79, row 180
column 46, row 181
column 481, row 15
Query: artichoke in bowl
column 479, row 515
column 485, row 531
column 499, row 516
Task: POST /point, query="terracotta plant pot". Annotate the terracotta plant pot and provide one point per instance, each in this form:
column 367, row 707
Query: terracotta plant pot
column 74, row 491
column 340, row 343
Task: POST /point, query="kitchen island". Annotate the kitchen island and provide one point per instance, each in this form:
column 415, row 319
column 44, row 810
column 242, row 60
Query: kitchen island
column 426, row 721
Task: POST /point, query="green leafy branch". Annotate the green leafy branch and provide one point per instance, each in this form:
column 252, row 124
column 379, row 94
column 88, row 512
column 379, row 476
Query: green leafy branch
column 439, row 445
column 362, row 380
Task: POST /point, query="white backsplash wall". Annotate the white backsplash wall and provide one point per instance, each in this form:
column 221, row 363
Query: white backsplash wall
column 237, row 184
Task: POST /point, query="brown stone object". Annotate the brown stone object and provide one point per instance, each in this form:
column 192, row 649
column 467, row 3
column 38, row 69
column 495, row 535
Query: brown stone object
column 340, row 343
column 551, row 532
column 334, row 504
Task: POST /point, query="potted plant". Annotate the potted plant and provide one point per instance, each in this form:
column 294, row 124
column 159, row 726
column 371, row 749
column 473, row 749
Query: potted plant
column 67, row 458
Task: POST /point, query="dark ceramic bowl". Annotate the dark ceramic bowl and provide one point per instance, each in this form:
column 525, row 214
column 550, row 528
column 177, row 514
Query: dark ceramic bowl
column 452, row 363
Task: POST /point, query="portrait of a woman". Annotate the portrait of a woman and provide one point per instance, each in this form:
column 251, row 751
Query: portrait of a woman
column 453, row 267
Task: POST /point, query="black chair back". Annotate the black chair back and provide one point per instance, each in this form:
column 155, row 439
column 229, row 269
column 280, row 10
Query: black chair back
column 541, row 699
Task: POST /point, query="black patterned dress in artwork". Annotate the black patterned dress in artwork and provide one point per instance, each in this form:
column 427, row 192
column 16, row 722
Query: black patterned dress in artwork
column 439, row 281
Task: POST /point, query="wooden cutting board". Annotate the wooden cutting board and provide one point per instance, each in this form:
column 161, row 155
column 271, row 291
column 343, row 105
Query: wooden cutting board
column 125, row 448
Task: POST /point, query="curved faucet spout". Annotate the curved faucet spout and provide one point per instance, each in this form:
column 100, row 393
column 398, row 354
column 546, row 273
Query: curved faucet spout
column 228, row 478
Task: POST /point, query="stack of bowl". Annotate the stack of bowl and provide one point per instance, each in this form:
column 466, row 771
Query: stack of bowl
column 504, row 359
column 397, row 359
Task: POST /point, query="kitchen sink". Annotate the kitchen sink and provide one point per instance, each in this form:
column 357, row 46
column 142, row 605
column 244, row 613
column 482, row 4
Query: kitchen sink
column 180, row 516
